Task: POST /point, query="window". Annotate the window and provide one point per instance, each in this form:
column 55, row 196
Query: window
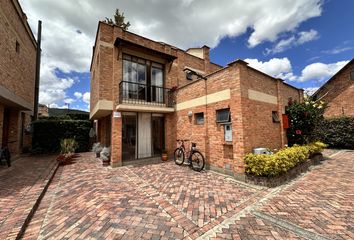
column 199, row 118
column 223, row 115
column 17, row 47
column 142, row 79
column 352, row 75
column 275, row 117
column 189, row 75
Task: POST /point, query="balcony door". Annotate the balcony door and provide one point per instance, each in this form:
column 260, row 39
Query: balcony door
column 135, row 78
column 157, row 91
column 143, row 80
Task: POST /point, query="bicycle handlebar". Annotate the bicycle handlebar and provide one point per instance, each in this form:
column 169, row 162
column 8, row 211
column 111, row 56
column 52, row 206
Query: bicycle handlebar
column 183, row 140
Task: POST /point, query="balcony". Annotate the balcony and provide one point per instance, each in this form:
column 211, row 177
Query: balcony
column 142, row 97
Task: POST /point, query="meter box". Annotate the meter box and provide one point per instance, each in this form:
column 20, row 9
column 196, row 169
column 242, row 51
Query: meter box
column 228, row 132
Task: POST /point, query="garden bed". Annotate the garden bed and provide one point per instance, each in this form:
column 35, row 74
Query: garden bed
column 285, row 177
column 274, row 169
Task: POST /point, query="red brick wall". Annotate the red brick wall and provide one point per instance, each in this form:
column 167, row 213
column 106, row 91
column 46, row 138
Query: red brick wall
column 252, row 123
column 106, row 70
column 339, row 93
column 17, row 69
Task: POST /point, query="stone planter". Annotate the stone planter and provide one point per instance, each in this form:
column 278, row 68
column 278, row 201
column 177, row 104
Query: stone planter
column 291, row 174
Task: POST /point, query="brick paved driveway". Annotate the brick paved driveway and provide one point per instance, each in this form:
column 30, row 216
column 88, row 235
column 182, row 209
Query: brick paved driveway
column 165, row 201
column 20, row 187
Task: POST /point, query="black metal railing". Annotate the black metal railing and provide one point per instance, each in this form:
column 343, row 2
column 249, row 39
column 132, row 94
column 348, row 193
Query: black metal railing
column 137, row 93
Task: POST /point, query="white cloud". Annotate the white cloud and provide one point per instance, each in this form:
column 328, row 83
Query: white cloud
column 52, row 88
column 78, row 94
column 276, row 67
column 86, row 97
column 320, row 71
column 281, row 68
column 69, row 100
column 307, row 36
column 69, row 27
column 295, row 40
column 68, row 37
column 337, row 50
column 310, row 90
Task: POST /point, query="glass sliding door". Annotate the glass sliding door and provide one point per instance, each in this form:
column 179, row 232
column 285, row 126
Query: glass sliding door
column 158, row 134
column 129, row 136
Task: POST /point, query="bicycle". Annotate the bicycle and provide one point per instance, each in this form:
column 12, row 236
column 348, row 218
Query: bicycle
column 195, row 158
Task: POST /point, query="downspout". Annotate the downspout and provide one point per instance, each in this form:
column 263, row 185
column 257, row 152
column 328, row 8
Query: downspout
column 38, row 68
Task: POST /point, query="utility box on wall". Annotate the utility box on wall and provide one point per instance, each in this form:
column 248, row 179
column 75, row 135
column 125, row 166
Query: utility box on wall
column 228, row 132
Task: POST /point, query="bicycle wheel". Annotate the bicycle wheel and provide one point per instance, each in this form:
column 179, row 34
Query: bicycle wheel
column 197, row 163
column 179, row 156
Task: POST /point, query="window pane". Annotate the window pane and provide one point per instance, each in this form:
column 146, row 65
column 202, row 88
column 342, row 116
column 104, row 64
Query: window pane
column 199, row 118
column 223, row 115
column 157, row 92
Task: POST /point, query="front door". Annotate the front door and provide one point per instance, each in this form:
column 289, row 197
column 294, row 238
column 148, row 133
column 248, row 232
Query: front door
column 143, row 135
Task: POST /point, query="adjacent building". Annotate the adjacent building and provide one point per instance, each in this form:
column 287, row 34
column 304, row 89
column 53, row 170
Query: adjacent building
column 146, row 94
column 338, row 92
column 17, row 76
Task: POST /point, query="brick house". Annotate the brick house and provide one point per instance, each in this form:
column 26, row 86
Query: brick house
column 17, row 76
column 338, row 92
column 143, row 98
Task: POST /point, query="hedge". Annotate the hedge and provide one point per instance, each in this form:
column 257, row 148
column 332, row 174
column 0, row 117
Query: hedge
column 47, row 134
column 336, row 132
column 271, row 165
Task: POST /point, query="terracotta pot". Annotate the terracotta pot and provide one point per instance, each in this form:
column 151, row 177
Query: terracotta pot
column 164, row 157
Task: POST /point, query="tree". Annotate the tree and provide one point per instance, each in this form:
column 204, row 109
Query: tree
column 118, row 20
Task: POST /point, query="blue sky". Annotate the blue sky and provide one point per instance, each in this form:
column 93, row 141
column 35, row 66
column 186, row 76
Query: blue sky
column 304, row 42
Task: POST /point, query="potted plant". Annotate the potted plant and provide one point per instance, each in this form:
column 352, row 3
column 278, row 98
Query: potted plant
column 97, row 148
column 67, row 150
column 164, row 155
column 105, row 155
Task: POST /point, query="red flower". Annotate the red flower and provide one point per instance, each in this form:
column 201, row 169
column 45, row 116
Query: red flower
column 298, row 132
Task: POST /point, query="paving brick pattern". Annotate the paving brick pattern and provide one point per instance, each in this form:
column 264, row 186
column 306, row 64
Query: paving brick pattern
column 165, row 201
column 20, row 187
column 201, row 197
column 322, row 201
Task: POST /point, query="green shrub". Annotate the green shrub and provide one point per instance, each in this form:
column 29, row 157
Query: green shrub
column 68, row 145
column 304, row 117
column 271, row 165
column 47, row 134
column 336, row 132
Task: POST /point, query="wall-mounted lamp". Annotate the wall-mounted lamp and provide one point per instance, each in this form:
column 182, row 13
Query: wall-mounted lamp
column 190, row 114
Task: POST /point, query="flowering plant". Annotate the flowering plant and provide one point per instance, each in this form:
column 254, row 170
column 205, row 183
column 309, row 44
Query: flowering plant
column 303, row 118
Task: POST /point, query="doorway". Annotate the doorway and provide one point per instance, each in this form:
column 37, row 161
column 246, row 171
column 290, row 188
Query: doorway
column 143, row 135
column 5, row 128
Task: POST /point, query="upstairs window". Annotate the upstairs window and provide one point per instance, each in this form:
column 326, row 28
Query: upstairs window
column 352, row 75
column 223, row 115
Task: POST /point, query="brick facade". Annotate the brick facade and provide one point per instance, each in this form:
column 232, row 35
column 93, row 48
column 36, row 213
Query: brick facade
column 338, row 92
column 225, row 88
column 17, row 75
